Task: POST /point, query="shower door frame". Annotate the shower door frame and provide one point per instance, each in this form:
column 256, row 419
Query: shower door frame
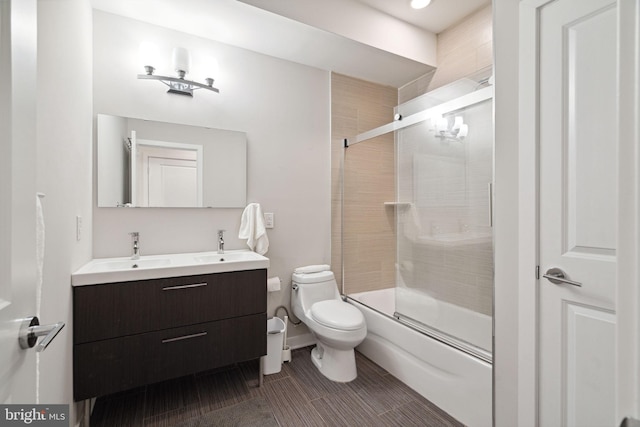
column 464, row 101
column 458, row 103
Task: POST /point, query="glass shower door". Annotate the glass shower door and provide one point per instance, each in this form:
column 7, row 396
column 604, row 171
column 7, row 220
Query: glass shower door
column 444, row 264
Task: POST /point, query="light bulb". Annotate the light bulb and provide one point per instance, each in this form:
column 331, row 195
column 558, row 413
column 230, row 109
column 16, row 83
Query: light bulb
column 420, row 4
column 148, row 55
column 442, row 125
column 210, row 69
column 457, row 123
column 181, row 61
column 464, row 130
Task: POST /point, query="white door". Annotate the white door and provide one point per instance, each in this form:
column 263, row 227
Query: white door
column 17, row 196
column 166, row 174
column 173, row 183
column 578, row 211
column 574, row 67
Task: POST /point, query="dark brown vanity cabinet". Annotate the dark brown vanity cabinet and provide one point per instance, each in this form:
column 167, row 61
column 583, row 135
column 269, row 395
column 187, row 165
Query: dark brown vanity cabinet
column 130, row 334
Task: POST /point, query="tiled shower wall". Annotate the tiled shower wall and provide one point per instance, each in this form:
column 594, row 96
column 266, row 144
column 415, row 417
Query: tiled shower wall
column 463, row 50
column 369, row 241
column 357, row 106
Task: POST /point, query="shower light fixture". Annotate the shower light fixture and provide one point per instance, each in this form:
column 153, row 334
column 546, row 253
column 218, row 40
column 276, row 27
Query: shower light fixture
column 420, row 4
column 181, row 60
column 458, row 130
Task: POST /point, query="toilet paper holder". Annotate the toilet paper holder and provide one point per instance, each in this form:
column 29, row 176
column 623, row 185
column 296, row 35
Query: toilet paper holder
column 274, row 284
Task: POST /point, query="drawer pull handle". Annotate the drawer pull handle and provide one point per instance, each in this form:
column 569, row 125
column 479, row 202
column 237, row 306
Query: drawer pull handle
column 174, row 288
column 184, row 337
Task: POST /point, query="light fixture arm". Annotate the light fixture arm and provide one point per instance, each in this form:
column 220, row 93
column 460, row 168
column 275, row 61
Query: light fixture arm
column 181, row 59
column 178, row 85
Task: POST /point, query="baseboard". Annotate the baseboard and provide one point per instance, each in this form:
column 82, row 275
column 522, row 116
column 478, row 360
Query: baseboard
column 299, row 341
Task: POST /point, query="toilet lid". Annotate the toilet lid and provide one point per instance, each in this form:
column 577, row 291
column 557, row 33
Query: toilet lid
column 337, row 314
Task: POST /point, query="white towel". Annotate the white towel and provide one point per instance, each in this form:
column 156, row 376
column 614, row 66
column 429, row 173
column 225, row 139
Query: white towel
column 252, row 228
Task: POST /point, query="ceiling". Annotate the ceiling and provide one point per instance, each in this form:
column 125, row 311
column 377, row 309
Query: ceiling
column 438, row 16
column 263, row 30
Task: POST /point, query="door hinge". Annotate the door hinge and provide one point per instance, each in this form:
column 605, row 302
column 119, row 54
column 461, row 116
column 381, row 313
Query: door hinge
column 537, row 272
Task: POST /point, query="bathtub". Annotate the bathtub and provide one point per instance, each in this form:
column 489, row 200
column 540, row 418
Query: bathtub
column 464, row 324
column 457, row 382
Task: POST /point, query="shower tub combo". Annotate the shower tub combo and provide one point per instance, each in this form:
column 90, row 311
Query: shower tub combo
column 453, row 379
column 431, row 324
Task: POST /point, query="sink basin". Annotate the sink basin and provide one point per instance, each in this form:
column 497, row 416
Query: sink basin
column 229, row 256
column 114, row 265
column 124, row 269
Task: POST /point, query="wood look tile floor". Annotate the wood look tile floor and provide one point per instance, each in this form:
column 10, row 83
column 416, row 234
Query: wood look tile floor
column 298, row 396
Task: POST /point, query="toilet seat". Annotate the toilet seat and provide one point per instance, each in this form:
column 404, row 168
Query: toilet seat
column 337, row 314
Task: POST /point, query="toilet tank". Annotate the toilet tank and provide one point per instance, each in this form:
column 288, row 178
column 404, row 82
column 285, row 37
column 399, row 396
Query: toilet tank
column 314, row 287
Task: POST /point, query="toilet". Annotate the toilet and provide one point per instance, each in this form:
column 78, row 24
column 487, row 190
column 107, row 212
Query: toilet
column 337, row 325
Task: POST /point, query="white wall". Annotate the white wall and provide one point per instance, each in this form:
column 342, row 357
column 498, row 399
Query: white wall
column 284, row 109
column 63, row 173
column 505, row 354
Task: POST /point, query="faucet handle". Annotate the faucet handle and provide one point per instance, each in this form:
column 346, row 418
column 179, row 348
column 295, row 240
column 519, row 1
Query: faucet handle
column 136, row 245
column 221, row 241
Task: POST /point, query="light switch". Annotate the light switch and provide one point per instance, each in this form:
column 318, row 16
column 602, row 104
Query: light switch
column 268, row 220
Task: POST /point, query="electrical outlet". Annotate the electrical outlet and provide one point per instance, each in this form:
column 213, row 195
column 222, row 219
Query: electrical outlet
column 268, row 220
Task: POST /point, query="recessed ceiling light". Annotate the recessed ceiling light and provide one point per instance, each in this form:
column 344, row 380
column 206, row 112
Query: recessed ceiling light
column 419, row 4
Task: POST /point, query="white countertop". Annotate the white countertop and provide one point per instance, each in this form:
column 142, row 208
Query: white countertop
column 124, row 269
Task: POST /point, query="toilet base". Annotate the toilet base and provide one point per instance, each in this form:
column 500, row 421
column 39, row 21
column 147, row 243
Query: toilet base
column 337, row 365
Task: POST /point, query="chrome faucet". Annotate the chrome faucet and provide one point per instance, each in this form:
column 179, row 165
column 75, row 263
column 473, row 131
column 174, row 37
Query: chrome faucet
column 135, row 238
column 221, row 241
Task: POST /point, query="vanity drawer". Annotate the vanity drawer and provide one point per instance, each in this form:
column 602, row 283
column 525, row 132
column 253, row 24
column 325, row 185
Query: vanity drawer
column 113, row 365
column 118, row 309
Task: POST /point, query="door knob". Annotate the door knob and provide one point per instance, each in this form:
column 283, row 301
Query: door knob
column 31, row 329
column 558, row 277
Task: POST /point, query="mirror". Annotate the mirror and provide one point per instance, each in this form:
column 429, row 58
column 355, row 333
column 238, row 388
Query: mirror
column 143, row 163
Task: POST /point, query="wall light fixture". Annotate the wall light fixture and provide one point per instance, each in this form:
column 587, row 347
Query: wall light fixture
column 181, row 60
column 458, row 130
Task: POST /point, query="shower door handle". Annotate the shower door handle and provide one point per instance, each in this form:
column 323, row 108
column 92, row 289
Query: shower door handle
column 558, row 277
column 490, row 189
